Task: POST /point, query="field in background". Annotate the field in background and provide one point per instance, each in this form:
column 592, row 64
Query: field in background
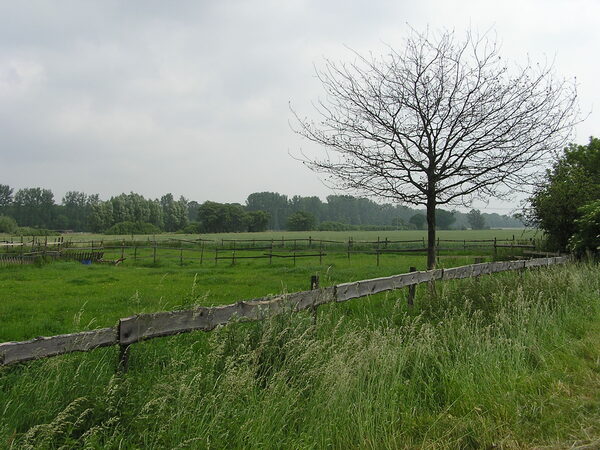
column 64, row 297
column 518, row 233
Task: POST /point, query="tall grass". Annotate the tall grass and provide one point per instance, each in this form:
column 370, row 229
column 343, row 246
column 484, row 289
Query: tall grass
column 509, row 360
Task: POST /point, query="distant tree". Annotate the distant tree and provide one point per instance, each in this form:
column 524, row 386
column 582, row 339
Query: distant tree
column 193, row 210
column 444, row 219
column 222, row 217
column 258, row 220
column 573, row 182
column 34, row 207
column 101, row 214
column 418, row 220
column 301, row 221
column 398, row 223
column 476, row 219
column 175, row 215
column 273, row 203
column 441, row 121
column 6, row 193
column 75, row 211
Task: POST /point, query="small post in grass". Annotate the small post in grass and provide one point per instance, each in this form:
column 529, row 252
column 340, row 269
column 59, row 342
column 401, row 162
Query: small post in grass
column 314, row 284
column 411, row 290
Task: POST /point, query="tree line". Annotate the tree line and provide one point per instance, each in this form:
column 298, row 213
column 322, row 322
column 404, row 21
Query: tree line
column 133, row 213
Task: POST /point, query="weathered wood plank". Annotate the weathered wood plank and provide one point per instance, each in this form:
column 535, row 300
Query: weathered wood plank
column 145, row 326
column 538, row 262
column 455, row 273
column 42, row 347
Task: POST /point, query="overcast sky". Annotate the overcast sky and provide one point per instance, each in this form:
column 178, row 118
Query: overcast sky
column 191, row 97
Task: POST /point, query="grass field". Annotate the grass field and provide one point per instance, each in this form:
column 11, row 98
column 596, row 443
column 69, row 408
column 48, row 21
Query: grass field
column 65, row 297
column 518, row 233
column 510, row 360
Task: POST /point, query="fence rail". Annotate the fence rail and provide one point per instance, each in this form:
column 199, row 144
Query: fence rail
column 147, row 326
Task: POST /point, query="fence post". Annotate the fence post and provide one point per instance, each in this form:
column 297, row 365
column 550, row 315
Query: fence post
column 181, row 256
column 348, row 249
column 122, row 249
column 411, row 290
column 154, row 252
column 123, row 362
column 134, row 252
column 495, row 248
column 201, row 252
column 314, row 284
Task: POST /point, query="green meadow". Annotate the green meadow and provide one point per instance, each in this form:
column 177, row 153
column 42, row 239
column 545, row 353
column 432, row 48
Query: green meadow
column 510, row 360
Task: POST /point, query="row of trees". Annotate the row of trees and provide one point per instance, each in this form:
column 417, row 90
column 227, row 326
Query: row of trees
column 36, row 207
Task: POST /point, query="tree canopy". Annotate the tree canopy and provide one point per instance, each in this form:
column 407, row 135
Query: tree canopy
column 573, row 182
column 442, row 120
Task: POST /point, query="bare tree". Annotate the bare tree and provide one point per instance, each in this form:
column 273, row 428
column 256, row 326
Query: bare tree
column 444, row 121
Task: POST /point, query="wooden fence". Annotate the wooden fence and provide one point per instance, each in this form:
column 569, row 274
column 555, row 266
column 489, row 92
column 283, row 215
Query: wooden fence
column 233, row 250
column 147, row 326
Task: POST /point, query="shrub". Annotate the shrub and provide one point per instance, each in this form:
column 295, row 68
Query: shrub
column 587, row 236
column 7, row 224
column 133, row 228
column 29, row 231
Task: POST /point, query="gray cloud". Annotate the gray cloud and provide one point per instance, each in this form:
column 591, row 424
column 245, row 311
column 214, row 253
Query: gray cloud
column 192, row 97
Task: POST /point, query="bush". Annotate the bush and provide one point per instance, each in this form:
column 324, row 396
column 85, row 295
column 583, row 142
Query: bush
column 29, row 231
column 7, row 224
column 132, row 228
column 587, row 236
column 191, row 228
column 301, row 221
column 334, row 226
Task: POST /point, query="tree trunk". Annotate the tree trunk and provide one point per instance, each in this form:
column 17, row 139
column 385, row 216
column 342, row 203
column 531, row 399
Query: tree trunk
column 431, row 251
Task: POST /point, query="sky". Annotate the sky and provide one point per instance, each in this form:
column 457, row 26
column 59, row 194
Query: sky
column 193, row 97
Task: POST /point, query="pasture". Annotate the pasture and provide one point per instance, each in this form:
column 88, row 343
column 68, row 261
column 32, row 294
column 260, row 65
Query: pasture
column 506, row 360
column 64, row 297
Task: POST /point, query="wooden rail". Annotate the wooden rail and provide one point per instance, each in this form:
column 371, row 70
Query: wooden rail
column 147, row 326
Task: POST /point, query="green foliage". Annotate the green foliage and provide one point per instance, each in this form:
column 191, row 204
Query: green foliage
column 334, row 226
column 33, row 207
column 418, row 220
column 31, row 231
column 573, row 182
column 7, row 225
column 301, row 221
column 587, row 234
column 258, row 221
column 444, row 219
column 222, row 217
column 476, row 220
column 132, row 228
column 6, row 197
column 191, row 228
